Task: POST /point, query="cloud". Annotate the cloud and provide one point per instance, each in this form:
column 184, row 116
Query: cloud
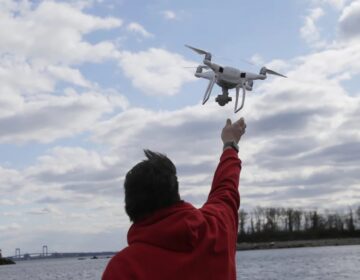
column 156, row 71
column 44, row 211
column 69, row 75
column 10, row 181
column 310, row 31
column 169, row 15
column 257, row 59
column 39, row 31
column 47, row 118
column 44, row 44
column 76, row 170
column 137, row 28
column 349, row 21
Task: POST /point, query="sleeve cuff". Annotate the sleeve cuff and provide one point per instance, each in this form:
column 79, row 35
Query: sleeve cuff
column 229, row 153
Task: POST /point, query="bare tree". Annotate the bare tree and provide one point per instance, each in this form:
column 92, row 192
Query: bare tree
column 272, row 217
column 297, row 219
column 290, row 219
column 350, row 221
column 243, row 216
column 258, row 213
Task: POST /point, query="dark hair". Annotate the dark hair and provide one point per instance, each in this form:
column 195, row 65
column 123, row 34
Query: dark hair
column 150, row 185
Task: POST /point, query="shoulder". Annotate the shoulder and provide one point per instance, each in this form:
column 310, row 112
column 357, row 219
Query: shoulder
column 119, row 266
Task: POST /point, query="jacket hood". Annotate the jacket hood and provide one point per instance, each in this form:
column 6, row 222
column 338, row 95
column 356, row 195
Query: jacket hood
column 179, row 227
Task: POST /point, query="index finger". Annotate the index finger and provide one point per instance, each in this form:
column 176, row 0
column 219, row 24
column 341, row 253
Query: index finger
column 240, row 121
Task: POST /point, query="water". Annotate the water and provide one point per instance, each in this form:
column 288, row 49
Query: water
column 321, row 263
column 51, row 269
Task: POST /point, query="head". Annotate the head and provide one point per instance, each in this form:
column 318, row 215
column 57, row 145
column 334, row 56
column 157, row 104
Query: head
column 150, row 185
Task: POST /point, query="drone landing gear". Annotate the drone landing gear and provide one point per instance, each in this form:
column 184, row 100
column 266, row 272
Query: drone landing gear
column 237, row 109
column 223, row 98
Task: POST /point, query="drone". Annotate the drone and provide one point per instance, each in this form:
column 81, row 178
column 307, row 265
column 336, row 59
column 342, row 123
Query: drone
column 227, row 78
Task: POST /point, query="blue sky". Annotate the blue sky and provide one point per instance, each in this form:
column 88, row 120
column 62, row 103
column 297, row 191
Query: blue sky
column 86, row 85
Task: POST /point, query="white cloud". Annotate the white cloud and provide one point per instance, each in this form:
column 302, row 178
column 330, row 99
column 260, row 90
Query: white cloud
column 34, row 79
column 257, row 59
column 10, row 180
column 46, row 118
column 44, row 211
column 310, row 31
column 52, row 32
column 44, row 44
column 78, row 171
column 68, row 74
column 169, row 15
column 156, row 71
column 138, row 29
column 349, row 21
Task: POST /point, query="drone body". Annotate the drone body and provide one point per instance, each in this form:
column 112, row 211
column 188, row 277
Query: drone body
column 228, row 78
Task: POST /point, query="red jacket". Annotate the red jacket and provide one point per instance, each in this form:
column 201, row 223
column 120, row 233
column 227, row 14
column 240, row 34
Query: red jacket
column 182, row 242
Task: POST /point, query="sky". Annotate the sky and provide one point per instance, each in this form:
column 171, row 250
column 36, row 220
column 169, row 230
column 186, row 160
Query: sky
column 85, row 86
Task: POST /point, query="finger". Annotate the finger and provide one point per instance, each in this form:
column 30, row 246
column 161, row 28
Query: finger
column 228, row 122
column 240, row 121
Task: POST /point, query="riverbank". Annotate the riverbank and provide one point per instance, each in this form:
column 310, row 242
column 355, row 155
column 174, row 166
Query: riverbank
column 297, row 244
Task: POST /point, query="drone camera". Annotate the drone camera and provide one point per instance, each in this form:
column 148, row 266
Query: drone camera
column 223, row 100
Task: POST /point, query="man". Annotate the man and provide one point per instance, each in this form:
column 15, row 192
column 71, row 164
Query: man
column 171, row 239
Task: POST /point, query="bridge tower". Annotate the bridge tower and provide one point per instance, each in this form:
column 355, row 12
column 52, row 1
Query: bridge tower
column 17, row 253
column 0, row 254
column 45, row 251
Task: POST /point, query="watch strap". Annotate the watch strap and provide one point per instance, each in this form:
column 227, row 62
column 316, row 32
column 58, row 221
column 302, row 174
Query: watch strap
column 231, row 144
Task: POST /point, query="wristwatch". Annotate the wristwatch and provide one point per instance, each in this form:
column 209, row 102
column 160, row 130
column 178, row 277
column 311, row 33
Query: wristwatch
column 231, row 144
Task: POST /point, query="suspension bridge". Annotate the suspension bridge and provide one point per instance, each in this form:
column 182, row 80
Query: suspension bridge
column 44, row 254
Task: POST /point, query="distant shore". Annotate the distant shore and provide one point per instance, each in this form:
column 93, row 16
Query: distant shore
column 4, row 261
column 297, row 244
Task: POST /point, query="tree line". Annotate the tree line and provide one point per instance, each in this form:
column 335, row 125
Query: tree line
column 264, row 224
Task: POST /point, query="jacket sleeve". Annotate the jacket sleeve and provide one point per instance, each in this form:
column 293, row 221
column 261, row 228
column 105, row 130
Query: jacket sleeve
column 224, row 198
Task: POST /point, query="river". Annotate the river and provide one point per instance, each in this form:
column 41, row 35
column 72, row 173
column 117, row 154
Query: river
column 320, row 263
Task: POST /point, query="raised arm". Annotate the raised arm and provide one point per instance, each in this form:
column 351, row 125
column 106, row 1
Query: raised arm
column 224, row 198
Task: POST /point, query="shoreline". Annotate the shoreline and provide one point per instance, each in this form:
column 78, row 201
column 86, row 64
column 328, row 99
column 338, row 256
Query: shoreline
column 5, row 261
column 297, row 244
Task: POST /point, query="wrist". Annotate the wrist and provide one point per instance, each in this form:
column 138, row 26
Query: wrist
column 231, row 145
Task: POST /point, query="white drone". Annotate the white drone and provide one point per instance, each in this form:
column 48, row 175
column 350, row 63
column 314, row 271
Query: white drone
column 228, row 78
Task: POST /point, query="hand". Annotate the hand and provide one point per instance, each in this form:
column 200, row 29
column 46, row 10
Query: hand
column 233, row 132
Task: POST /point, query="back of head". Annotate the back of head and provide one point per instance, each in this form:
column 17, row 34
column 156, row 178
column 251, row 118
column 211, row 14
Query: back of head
column 150, row 185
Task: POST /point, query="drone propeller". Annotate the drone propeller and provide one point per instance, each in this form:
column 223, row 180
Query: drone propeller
column 269, row 71
column 199, row 51
column 202, row 66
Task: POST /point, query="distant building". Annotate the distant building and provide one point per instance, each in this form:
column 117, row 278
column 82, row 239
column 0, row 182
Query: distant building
column 0, row 254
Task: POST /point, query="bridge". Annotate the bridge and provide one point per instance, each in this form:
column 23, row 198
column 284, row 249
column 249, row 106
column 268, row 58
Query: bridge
column 46, row 254
column 19, row 256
